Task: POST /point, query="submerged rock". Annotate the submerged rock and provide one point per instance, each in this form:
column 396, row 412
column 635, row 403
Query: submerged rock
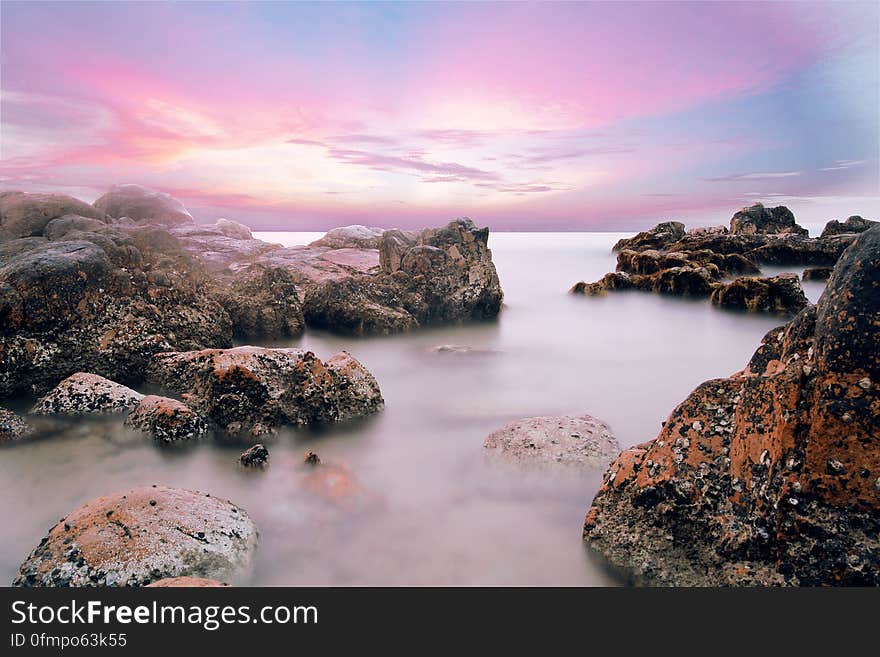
column 570, row 440
column 84, row 393
column 251, row 390
column 13, row 427
column 780, row 294
column 770, row 476
column 141, row 536
column 143, row 205
column 254, row 457
column 167, row 420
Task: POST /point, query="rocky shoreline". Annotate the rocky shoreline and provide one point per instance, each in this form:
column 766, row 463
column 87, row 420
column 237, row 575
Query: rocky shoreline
column 771, row 476
column 126, row 308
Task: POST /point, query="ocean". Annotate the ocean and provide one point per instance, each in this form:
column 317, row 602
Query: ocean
column 414, row 500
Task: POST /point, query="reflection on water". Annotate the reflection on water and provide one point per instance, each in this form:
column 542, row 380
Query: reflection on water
column 410, row 498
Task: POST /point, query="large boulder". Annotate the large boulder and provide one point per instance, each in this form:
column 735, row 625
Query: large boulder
column 24, row 214
column 141, row 536
column 853, row 224
column 351, row 237
column 143, row 205
column 578, row 440
column 758, row 220
column 780, row 294
column 771, row 476
column 84, row 393
column 252, row 390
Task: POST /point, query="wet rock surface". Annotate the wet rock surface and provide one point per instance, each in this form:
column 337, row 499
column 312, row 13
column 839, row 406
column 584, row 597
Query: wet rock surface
column 579, row 440
column 771, row 476
column 167, row 420
column 778, row 294
column 252, row 390
column 13, row 427
column 84, row 393
column 141, row 536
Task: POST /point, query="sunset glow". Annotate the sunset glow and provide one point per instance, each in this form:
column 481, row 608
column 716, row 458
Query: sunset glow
column 523, row 116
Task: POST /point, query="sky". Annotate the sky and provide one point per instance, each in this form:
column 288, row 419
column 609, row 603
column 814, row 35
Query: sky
column 523, row 116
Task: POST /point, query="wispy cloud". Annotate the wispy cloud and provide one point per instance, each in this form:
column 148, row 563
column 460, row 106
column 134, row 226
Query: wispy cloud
column 844, row 164
column 755, row 176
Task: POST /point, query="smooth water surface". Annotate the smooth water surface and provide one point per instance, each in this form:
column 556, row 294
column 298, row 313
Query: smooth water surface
column 410, row 498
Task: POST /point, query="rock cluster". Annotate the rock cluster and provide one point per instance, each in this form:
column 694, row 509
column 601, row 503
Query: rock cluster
column 102, row 288
column 771, row 476
column 141, row 536
column 700, row 262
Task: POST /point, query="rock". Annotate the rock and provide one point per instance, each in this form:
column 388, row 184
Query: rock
column 185, row 582
column 351, row 237
column 703, row 231
column 251, row 390
column 357, row 306
column 759, row 220
column 854, row 224
column 262, row 302
column 24, row 214
column 145, row 206
column 255, row 457
column 817, row 273
column 167, row 420
column 658, row 237
column 684, row 281
column 781, row 294
column 570, row 440
column 337, row 486
column 767, row 477
column 311, row 458
column 13, row 427
column 60, row 227
column 141, row 536
column 233, row 229
column 796, row 250
column 435, row 276
column 84, row 393
column 609, row 282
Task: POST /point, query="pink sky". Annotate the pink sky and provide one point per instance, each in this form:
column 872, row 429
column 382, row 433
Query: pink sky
column 522, row 116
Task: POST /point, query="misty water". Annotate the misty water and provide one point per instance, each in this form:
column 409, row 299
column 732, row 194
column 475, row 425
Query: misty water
column 411, row 499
